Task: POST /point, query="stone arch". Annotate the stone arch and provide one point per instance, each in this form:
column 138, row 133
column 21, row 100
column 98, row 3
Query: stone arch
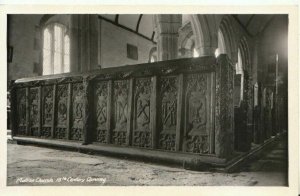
column 186, row 41
column 248, row 88
column 228, row 30
column 205, row 28
column 245, row 53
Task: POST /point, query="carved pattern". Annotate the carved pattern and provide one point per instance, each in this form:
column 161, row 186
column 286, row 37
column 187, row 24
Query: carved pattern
column 119, row 137
column 62, row 111
column 198, row 144
column 197, row 134
column 141, row 133
column 169, row 91
column 167, row 141
column 46, row 132
column 34, row 111
column 47, row 111
column 101, row 111
column 121, row 91
column 77, row 112
column 142, row 139
column 101, row 136
column 60, row 133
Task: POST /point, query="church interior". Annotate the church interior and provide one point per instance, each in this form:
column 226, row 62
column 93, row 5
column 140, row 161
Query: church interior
column 209, row 88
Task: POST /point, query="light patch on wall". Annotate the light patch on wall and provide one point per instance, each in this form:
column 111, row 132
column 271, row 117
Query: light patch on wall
column 195, row 53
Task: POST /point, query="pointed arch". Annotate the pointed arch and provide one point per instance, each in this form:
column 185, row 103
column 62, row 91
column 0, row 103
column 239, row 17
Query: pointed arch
column 205, row 28
column 227, row 28
column 245, row 54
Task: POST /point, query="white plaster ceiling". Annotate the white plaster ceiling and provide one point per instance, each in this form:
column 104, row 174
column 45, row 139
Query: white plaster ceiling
column 140, row 23
column 143, row 24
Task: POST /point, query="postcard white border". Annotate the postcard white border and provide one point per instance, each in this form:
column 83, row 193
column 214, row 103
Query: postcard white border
column 293, row 81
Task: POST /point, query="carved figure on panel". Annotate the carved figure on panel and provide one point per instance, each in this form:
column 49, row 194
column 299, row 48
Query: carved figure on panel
column 47, row 111
column 121, row 104
column 197, row 132
column 76, row 131
column 121, row 90
column 169, row 102
column 169, row 91
column 101, row 111
column 21, row 109
column 62, row 104
column 142, row 134
column 34, row 100
column 142, row 97
column 48, row 104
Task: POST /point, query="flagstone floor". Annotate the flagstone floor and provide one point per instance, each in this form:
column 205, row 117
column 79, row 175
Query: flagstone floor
column 32, row 165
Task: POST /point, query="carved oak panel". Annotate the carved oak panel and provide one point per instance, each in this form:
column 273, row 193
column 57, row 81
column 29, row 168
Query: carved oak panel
column 196, row 124
column 101, row 102
column 168, row 117
column 47, row 110
column 142, row 136
column 21, row 111
column 77, row 112
column 120, row 119
column 34, row 111
column 62, row 112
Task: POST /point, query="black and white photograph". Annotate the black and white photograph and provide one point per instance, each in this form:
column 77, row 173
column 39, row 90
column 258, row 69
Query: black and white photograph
column 148, row 99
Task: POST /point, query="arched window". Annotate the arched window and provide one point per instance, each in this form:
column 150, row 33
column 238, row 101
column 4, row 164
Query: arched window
column 56, row 49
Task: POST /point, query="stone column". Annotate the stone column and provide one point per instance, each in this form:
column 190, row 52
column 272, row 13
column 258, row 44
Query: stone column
column 167, row 26
column 74, row 43
column 84, row 42
column 88, row 42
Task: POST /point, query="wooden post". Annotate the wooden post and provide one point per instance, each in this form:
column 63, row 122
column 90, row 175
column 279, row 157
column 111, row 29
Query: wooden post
column 212, row 112
column 27, row 112
column 40, row 111
column 13, row 111
column 153, row 112
column 54, row 115
column 109, row 111
column 69, row 111
column 86, row 129
column 130, row 113
column 179, row 116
